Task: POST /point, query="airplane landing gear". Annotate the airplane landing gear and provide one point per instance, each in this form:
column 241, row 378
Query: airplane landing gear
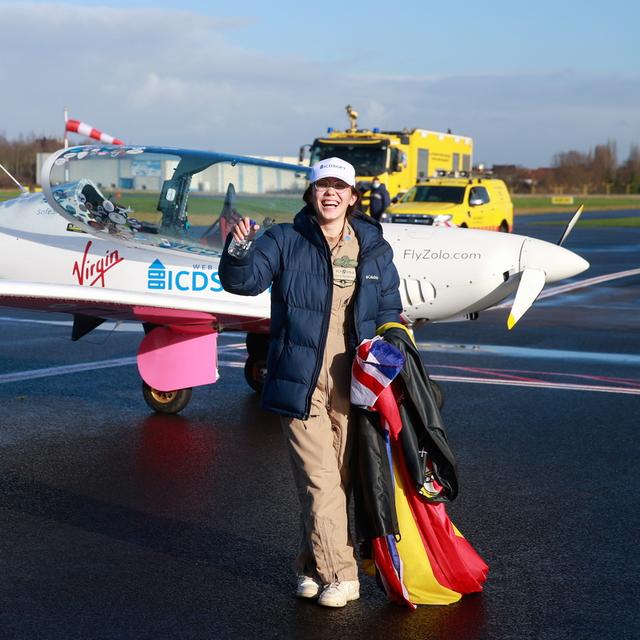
column 169, row 402
column 255, row 368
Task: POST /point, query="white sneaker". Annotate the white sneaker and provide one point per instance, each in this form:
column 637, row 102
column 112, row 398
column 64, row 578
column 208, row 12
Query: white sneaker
column 307, row 587
column 337, row 594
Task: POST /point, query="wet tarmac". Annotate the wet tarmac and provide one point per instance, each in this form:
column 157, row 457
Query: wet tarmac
column 119, row 523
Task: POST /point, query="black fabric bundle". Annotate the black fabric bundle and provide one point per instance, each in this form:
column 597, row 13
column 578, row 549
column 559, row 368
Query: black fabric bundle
column 422, row 437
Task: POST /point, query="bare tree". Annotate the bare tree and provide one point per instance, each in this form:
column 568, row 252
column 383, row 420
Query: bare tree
column 19, row 156
column 570, row 170
column 628, row 175
column 603, row 166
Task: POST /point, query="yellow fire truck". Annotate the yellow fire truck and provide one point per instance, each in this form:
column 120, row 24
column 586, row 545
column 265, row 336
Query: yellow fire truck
column 398, row 158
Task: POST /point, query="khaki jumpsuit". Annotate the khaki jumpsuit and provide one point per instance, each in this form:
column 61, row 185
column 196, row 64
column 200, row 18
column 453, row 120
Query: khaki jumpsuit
column 319, row 447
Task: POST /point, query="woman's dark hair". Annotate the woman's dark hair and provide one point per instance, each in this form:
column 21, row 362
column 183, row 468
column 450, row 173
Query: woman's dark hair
column 306, row 196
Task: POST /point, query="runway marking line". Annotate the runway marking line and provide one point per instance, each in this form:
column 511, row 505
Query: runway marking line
column 580, row 284
column 507, row 380
column 507, row 351
column 630, row 382
column 540, row 385
column 61, row 370
column 504, row 377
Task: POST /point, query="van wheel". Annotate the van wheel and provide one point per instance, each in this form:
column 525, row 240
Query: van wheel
column 464, row 225
column 504, row 227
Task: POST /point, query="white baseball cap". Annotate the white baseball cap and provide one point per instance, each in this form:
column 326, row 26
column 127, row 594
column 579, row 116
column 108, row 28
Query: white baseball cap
column 333, row 168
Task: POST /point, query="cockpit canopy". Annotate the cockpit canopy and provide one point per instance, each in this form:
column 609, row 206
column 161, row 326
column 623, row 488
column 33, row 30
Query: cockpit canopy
column 169, row 198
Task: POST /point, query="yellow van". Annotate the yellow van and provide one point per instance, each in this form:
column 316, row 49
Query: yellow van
column 476, row 203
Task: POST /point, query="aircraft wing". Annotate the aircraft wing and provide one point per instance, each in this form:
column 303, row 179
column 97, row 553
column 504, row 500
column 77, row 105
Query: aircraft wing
column 114, row 304
column 180, row 352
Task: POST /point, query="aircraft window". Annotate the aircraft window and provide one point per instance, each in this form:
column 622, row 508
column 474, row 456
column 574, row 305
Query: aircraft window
column 434, row 193
column 183, row 200
column 223, row 193
column 86, row 203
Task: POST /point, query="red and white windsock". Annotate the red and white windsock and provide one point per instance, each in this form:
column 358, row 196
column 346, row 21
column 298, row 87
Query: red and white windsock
column 87, row 130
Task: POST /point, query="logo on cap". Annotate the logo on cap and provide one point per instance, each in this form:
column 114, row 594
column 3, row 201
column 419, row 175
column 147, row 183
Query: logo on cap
column 333, row 168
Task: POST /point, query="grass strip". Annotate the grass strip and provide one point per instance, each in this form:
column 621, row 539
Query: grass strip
column 597, row 223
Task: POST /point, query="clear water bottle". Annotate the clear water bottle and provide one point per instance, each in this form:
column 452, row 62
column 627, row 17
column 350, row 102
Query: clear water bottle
column 239, row 249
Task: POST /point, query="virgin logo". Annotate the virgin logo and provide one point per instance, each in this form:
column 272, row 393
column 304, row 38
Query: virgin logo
column 91, row 271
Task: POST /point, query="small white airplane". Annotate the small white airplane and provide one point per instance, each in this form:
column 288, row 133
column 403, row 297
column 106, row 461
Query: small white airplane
column 135, row 233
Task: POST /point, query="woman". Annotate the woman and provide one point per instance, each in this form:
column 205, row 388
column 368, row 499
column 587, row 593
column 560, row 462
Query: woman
column 333, row 282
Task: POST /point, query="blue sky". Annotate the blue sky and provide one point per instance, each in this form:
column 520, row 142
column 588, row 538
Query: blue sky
column 524, row 80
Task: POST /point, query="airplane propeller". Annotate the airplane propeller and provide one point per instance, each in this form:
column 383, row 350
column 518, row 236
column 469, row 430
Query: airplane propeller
column 571, row 224
column 540, row 260
column 531, row 284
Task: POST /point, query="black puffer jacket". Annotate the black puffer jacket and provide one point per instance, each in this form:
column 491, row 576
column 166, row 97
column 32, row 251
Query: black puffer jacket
column 296, row 261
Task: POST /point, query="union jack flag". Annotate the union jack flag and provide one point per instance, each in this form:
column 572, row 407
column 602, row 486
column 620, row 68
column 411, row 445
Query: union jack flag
column 375, row 366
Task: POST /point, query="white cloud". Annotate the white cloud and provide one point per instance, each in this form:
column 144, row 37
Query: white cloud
column 176, row 78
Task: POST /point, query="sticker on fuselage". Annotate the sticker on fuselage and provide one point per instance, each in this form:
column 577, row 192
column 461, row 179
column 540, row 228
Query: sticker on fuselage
column 199, row 278
column 74, row 228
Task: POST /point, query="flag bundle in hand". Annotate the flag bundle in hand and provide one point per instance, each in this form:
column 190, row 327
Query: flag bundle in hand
column 431, row 562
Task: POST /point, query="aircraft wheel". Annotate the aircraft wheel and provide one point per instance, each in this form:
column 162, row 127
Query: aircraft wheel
column 169, row 402
column 255, row 370
column 437, row 393
column 504, row 227
column 257, row 344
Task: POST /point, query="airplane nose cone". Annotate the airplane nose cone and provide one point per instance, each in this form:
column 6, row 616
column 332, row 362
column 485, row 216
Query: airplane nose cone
column 557, row 262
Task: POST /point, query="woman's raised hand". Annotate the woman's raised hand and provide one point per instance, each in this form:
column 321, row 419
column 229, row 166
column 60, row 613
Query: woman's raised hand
column 245, row 230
